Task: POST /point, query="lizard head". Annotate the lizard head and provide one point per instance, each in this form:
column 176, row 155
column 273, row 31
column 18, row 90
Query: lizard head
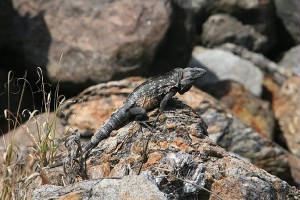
column 188, row 77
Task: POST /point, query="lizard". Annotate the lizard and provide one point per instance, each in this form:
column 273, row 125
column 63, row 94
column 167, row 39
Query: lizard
column 151, row 94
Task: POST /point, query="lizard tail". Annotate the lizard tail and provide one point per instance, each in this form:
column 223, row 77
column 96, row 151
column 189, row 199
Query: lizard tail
column 113, row 123
column 100, row 135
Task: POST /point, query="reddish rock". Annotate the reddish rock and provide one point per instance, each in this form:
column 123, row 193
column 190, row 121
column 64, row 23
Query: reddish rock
column 225, row 129
column 287, row 110
column 252, row 110
column 272, row 87
column 190, row 163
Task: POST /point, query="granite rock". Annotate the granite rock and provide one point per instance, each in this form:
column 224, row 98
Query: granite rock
column 223, row 65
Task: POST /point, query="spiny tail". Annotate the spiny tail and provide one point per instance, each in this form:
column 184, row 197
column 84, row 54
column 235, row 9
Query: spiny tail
column 116, row 121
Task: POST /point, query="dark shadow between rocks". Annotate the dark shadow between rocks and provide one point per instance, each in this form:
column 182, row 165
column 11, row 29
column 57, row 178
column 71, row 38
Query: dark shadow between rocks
column 176, row 48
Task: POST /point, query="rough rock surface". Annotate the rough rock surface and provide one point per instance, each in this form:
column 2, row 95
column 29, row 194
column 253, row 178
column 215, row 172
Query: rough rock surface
column 288, row 11
column 95, row 105
column 180, row 157
column 223, row 65
column 287, row 111
column 129, row 187
column 291, row 60
column 222, row 28
column 235, row 136
column 253, row 111
column 270, row 68
column 91, row 41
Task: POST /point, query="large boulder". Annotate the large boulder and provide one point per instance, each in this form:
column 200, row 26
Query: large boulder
column 86, row 42
column 176, row 154
column 223, row 65
column 93, row 106
column 288, row 12
column 222, row 28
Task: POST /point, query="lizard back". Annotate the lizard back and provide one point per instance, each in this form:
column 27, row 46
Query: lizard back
column 149, row 94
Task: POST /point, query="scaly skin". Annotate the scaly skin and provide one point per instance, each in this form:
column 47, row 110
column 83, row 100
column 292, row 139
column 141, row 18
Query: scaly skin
column 149, row 95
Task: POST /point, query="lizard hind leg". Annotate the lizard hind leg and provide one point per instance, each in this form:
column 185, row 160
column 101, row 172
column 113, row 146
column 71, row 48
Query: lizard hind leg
column 140, row 116
column 138, row 113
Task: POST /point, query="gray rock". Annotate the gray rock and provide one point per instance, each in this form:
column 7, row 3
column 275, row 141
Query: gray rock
column 288, row 12
column 86, row 42
column 269, row 67
column 222, row 28
column 250, row 12
column 291, row 60
column 129, row 187
column 223, row 65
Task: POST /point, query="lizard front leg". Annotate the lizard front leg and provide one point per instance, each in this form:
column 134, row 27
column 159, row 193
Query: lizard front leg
column 164, row 102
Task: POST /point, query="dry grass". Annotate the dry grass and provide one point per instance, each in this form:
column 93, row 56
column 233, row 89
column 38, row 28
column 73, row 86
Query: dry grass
column 43, row 136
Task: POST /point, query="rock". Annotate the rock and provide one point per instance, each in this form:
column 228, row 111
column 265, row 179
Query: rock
column 181, row 159
column 26, row 135
column 251, row 12
column 103, row 99
column 92, row 107
column 84, row 42
column 128, row 187
column 223, row 65
column 235, row 136
column 222, row 28
column 253, row 111
column 287, row 111
column 270, row 68
column 288, row 12
column 291, row 60
column 248, row 12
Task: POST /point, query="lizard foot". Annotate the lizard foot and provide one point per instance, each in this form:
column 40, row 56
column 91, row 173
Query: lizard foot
column 145, row 124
